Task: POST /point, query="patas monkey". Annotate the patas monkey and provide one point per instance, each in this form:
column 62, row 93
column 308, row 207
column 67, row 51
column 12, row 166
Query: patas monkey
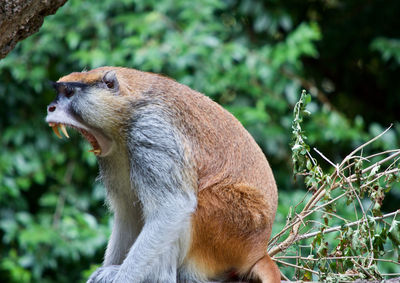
column 192, row 194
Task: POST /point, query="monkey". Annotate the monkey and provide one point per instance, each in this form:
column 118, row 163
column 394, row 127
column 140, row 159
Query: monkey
column 192, row 195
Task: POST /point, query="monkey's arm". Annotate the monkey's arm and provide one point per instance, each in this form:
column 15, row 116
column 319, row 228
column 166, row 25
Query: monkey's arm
column 126, row 228
column 161, row 177
column 155, row 255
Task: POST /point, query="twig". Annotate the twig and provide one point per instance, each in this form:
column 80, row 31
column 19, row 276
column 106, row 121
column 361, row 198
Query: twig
column 297, row 266
column 381, row 153
column 324, row 157
column 295, row 227
column 380, row 162
column 380, row 176
column 364, row 215
column 364, row 145
column 363, row 269
column 345, row 176
column 332, row 258
column 339, row 228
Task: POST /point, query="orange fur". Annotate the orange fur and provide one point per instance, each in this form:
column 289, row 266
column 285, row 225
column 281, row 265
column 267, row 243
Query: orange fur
column 237, row 196
column 236, row 191
column 266, row 270
column 231, row 228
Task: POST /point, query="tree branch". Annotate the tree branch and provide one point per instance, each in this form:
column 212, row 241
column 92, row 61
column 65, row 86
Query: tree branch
column 20, row 18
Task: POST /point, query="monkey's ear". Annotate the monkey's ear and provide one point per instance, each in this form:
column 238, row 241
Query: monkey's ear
column 110, row 80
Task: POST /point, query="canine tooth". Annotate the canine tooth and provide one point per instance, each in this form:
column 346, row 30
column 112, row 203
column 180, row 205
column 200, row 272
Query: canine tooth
column 64, row 130
column 55, row 130
column 95, row 151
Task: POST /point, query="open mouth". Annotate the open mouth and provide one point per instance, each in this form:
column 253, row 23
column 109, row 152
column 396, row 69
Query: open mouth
column 88, row 136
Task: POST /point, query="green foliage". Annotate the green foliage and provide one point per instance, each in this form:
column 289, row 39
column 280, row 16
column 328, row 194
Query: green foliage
column 389, row 48
column 300, row 150
column 359, row 243
column 253, row 57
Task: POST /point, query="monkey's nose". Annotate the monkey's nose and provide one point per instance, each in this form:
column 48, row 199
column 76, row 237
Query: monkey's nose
column 51, row 108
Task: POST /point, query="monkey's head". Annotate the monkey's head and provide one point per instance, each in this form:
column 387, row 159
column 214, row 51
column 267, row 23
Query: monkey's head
column 94, row 104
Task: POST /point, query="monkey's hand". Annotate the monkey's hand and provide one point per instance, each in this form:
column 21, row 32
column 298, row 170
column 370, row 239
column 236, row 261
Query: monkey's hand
column 105, row 274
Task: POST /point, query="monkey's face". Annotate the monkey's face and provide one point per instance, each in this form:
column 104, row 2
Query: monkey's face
column 94, row 108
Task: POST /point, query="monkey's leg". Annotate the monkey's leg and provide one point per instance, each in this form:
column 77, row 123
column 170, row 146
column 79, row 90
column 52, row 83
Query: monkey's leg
column 231, row 228
column 266, row 271
column 186, row 275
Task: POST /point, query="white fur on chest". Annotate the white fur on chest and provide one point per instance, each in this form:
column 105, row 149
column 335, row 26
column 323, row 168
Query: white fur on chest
column 121, row 197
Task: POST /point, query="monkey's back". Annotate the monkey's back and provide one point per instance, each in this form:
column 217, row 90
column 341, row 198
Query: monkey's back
column 224, row 152
column 237, row 194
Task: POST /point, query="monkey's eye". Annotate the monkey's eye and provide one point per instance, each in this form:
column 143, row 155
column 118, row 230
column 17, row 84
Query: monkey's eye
column 109, row 84
column 69, row 92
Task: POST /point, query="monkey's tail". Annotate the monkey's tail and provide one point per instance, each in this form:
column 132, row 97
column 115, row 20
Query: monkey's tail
column 266, row 271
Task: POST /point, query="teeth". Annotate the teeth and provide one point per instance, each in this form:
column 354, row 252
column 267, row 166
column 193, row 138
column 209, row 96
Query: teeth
column 64, row 130
column 96, row 151
column 55, row 130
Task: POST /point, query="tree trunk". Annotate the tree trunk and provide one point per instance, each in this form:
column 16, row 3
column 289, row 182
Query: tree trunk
column 21, row 18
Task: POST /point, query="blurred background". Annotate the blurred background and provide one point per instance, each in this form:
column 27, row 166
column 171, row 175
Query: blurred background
column 254, row 57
